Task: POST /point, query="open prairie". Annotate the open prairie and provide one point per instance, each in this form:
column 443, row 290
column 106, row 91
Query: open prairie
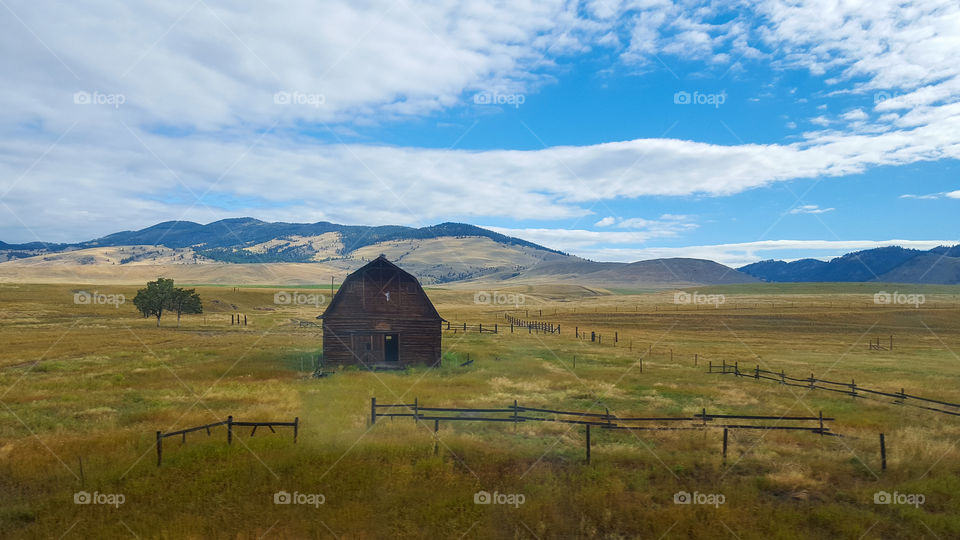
column 84, row 387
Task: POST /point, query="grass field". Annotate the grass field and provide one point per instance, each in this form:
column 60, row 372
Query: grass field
column 91, row 384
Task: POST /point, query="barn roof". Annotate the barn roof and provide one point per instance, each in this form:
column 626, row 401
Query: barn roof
column 380, row 262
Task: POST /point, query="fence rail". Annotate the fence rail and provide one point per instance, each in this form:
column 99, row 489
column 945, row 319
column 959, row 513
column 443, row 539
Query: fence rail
column 851, row 388
column 478, row 328
column 517, row 414
column 230, row 423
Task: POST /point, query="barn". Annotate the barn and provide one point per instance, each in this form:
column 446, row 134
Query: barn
column 381, row 318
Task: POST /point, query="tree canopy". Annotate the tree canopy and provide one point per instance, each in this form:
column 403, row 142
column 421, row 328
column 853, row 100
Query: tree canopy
column 161, row 295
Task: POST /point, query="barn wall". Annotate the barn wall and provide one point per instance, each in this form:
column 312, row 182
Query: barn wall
column 420, row 340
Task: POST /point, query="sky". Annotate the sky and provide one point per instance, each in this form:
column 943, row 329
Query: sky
column 613, row 130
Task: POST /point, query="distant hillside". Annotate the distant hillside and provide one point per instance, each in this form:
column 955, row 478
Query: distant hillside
column 889, row 264
column 436, row 254
column 675, row 272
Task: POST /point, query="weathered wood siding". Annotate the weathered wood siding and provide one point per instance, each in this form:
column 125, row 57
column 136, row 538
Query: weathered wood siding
column 378, row 300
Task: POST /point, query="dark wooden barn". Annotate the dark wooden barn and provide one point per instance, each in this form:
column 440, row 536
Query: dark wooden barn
column 381, row 318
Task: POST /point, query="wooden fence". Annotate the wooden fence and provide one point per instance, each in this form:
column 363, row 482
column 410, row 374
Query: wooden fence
column 851, row 388
column 516, row 414
column 478, row 328
column 230, row 423
column 532, row 326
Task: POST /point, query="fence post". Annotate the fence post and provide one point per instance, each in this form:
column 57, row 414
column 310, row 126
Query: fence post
column 757, row 373
column 853, row 387
column 709, row 367
column 704, row 417
column 373, row 411
column 159, row 447
column 296, row 427
column 588, row 444
column 821, row 423
column 724, row 445
column 696, row 359
column 883, row 453
column 416, row 406
column 230, row 429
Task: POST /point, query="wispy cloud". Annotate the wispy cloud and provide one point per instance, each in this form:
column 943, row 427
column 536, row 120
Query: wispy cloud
column 810, row 209
column 933, row 196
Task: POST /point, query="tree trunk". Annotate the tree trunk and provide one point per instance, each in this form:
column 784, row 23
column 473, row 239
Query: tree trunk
column 178, row 319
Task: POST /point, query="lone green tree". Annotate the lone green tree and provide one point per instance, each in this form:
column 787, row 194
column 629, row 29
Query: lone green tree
column 154, row 299
column 161, row 295
column 185, row 301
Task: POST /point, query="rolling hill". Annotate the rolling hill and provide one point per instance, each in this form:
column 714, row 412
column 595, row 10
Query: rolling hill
column 251, row 251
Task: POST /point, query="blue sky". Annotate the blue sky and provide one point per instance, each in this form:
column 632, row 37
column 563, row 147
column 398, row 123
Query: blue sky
column 614, row 130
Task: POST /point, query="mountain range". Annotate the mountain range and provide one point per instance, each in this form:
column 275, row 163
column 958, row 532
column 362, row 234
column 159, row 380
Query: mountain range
column 247, row 250
column 887, row 264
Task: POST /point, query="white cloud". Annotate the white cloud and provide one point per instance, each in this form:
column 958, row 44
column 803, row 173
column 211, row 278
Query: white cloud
column 933, row 196
column 810, row 209
column 605, row 222
column 209, row 71
column 855, row 115
column 594, row 246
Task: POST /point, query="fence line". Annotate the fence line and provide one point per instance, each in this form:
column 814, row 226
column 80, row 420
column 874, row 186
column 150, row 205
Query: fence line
column 516, row 414
column 531, row 326
column 851, row 388
column 464, row 327
column 230, row 423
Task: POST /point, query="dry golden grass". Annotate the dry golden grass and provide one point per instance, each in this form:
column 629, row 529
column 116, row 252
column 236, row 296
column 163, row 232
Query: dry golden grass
column 94, row 383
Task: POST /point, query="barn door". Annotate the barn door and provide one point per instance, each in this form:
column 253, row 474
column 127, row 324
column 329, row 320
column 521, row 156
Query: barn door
column 369, row 348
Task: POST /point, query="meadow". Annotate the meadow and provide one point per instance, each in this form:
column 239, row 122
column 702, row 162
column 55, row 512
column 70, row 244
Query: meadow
column 85, row 387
